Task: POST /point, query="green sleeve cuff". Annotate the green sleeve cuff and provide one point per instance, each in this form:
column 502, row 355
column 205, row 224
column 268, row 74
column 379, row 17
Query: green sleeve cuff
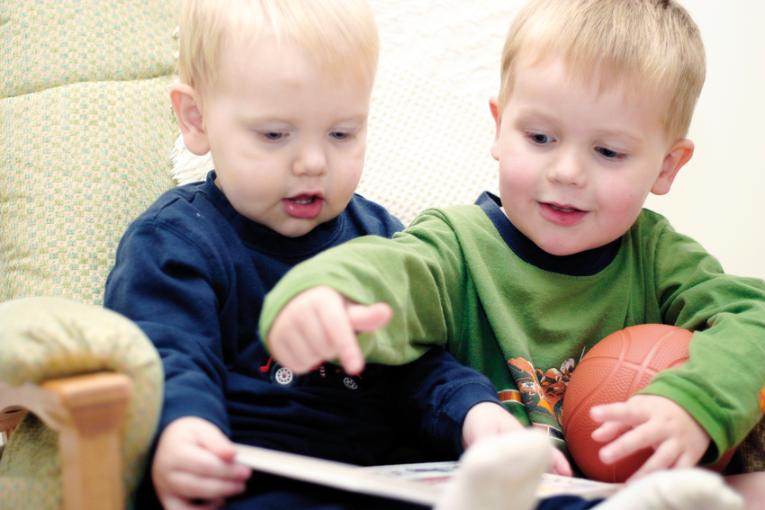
column 701, row 407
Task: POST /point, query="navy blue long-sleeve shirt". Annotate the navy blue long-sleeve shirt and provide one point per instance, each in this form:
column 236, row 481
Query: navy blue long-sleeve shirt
column 193, row 273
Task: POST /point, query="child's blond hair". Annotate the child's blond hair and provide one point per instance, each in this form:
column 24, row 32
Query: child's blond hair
column 340, row 34
column 652, row 45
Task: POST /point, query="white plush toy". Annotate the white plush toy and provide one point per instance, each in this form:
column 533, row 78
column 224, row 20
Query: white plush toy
column 503, row 472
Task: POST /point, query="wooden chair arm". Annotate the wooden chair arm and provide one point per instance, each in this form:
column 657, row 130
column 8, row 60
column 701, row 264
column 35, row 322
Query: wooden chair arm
column 87, row 411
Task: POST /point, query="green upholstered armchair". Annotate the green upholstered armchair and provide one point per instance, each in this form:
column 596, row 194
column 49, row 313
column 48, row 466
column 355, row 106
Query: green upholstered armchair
column 86, row 131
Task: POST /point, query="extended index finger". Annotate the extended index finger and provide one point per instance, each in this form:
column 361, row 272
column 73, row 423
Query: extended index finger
column 338, row 329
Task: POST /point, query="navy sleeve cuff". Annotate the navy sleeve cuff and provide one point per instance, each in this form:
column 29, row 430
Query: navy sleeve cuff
column 450, row 417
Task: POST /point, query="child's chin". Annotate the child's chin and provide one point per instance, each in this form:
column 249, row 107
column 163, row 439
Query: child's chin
column 296, row 230
column 561, row 249
column 564, row 253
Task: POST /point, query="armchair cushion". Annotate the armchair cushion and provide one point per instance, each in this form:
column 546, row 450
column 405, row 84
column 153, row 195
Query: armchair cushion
column 45, row 338
column 87, row 129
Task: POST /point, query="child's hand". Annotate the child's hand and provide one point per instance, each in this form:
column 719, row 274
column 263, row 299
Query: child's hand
column 194, row 467
column 489, row 419
column 320, row 325
column 649, row 421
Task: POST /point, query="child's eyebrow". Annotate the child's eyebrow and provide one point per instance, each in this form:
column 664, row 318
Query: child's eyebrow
column 355, row 119
column 622, row 134
column 530, row 113
column 255, row 118
column 534, row 114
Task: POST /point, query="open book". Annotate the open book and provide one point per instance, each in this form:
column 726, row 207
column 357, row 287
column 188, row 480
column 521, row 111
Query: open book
column 416, row 483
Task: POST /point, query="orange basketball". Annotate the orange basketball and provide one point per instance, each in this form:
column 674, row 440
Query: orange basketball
column 619, row 365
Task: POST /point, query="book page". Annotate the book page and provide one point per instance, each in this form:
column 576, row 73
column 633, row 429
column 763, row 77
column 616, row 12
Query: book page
column 439, row 473
column 336, row 474
column 417, row 483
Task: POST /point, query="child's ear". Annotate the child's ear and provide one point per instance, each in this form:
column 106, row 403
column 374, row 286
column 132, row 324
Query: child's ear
column 497, row 118
column 679, row 154
column 189, row 115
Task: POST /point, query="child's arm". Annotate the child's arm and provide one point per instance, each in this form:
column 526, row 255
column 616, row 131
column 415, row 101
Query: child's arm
column 166, row 283
column 194, row 466
column 719, row 384
column 649, row 421
column 420, row 274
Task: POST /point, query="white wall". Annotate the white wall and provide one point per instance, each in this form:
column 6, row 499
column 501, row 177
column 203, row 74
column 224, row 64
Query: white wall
column 719, row 197
column 430, row 121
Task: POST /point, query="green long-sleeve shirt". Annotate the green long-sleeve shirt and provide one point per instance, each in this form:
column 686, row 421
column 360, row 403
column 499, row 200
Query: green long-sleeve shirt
column 465, row 278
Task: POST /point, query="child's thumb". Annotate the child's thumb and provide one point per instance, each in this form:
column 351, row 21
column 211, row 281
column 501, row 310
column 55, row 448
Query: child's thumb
column 369, row 317
column 216, row 442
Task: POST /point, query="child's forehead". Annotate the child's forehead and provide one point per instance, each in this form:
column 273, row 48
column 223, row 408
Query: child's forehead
column 332, row 59
column 252, row 71
column 599, row 74
column 249, row 55
column 554, row 81
column 597, row 77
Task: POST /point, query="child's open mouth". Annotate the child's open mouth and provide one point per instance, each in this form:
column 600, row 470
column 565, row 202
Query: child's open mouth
column 306, row 206
column 561, row 214
column 563, row 208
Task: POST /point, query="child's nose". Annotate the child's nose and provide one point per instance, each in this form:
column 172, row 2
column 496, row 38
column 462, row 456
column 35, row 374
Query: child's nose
column 311, row 161
column 568, row 169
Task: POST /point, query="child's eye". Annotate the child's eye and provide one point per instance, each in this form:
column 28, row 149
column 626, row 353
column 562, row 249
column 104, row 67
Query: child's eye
column 273, row 136
column 540, row 138
column 610, row 154
column 340, row 135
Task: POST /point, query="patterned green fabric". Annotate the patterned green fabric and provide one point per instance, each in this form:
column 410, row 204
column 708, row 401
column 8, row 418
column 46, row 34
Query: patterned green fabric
column 77, row 164
column 87, row 131
column 30, row 474
column 49, row 43
column 44, row 338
